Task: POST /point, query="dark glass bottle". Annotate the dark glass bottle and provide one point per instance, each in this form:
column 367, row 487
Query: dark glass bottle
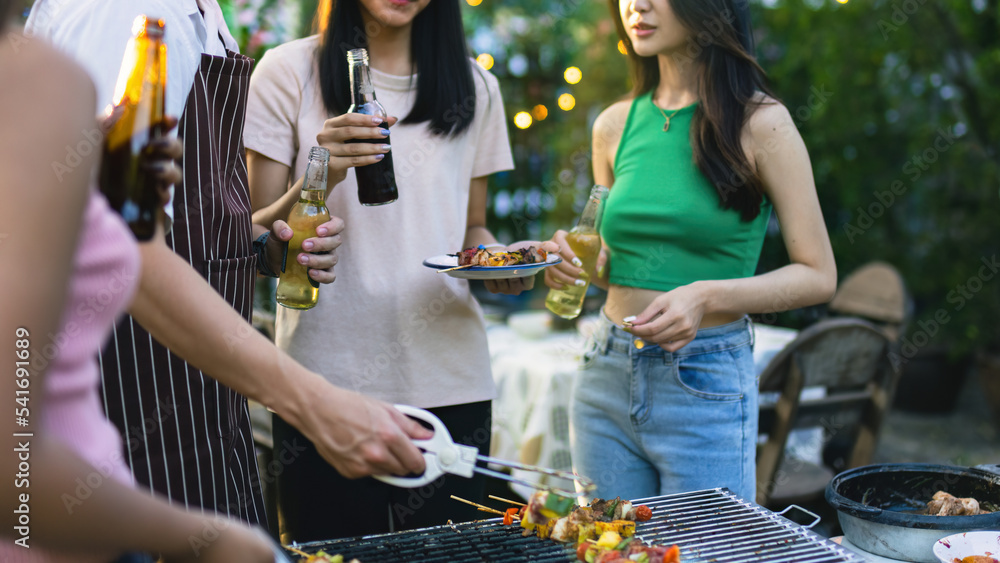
column 376, row 182
column 139, row 99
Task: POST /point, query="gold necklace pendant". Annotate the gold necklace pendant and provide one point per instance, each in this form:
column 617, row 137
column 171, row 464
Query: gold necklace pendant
column 666, row 118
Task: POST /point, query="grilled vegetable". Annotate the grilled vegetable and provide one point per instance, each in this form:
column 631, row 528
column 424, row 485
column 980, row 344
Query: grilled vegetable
column 624, row 528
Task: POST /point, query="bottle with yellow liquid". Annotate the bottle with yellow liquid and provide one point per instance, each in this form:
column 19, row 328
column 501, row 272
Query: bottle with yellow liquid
column 585, row 241
column 296, row 290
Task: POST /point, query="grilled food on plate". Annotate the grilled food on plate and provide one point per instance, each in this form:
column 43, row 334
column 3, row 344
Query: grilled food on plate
column 482, row 256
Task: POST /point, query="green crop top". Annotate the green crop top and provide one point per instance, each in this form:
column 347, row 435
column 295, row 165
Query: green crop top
column 662, row 221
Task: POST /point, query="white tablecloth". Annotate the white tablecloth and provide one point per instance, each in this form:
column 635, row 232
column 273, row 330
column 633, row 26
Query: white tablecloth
column 534, row 367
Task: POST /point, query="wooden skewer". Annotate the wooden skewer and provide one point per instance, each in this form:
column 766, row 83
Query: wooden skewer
column 501, row 499
column 481, row 507
column 455, row 268
column 298, row 551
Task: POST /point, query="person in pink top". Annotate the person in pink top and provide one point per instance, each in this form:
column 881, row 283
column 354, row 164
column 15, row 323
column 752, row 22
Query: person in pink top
column 72, row 267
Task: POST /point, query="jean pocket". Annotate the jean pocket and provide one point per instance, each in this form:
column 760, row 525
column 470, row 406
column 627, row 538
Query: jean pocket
column 713, row 377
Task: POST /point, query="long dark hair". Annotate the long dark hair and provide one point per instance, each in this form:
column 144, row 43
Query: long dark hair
column 729, row 81
column 446, row 93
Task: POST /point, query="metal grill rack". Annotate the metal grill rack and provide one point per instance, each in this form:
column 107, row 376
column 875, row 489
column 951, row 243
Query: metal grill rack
column 719, row 527
column 709, row 526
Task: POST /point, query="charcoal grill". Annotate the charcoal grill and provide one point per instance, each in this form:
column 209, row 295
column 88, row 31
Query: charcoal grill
column 709, row 526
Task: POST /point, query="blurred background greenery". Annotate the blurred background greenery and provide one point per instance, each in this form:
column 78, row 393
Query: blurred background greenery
column 896, row 100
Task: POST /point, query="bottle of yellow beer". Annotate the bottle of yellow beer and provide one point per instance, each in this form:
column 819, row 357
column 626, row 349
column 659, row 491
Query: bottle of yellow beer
column 585, row 241
column 296, row 289
column 138, row 102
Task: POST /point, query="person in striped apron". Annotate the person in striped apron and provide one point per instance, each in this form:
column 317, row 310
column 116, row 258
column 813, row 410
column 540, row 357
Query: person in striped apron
column 185, row 423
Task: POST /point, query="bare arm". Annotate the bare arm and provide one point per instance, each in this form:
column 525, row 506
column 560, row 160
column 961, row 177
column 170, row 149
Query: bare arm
column 51, row 108
column 476, row 232
column 810, row 278
column 270, row 196
column 357, row 435
column 811, row 275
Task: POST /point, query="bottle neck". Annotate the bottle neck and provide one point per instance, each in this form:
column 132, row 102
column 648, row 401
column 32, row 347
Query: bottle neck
column 588, row 220
column 362, row 89
column 591, row 216
column 314, row 183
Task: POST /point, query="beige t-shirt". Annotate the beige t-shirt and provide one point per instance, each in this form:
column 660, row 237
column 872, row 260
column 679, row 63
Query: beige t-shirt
column 388, row 326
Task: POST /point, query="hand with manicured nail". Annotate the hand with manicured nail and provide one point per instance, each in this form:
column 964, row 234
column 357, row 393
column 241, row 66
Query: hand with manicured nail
column 353, row 139
column 321, row 257
column 672, row 319
column 568, row 271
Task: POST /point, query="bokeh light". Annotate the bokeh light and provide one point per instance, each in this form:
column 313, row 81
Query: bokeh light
column 573, row 75
column 485, row 60
column 567, row 102
column 474, row 2
column 539, row 112
column 522, row 120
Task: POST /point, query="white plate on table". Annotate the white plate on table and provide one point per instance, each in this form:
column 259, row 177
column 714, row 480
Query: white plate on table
column 960, row 546
column 445, row 261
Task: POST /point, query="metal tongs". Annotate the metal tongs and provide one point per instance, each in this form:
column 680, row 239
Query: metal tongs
column 442, row 455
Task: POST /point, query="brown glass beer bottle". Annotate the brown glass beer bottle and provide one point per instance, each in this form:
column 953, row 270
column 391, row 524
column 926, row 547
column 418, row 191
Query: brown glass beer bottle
column 139, row 100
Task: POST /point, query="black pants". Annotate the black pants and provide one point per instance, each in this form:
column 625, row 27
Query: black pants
column 317, row 503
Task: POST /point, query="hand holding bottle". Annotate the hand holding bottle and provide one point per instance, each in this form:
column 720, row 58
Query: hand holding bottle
column 337, row 134
column 584, row 242
column 568, row 271
column 320, row 256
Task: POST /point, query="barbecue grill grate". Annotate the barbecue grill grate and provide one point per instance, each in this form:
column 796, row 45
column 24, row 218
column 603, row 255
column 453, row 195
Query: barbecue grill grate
column 709, row 526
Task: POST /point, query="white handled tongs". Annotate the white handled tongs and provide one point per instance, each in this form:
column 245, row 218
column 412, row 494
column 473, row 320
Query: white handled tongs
column 442, row 455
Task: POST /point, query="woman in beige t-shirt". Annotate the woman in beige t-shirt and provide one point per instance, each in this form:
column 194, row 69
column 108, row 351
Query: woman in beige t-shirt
column 388, row 327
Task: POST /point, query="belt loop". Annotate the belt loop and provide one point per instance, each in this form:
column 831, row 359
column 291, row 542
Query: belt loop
column 753, row 332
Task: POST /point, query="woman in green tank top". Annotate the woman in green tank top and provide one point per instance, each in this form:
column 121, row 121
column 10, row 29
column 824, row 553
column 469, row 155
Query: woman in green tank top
column 697, row 158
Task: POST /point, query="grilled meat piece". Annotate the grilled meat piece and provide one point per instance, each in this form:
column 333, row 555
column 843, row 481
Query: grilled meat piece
column 944, row 504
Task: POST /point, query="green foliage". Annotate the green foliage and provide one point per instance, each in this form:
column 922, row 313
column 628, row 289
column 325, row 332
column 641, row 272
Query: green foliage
column 532, row 43
column 906, row 146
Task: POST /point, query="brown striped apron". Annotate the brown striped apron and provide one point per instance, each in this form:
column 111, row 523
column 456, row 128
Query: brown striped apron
column 187, row 436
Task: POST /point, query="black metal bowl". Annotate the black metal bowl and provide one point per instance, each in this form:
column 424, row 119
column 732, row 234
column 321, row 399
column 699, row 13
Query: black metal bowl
column 879, row 506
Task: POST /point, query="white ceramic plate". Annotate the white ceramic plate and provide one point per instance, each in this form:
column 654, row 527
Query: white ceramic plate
column 445, row 261
column 959, row 546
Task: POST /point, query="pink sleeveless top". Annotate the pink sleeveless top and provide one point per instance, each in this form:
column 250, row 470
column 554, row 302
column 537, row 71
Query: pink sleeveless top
column 104, row 279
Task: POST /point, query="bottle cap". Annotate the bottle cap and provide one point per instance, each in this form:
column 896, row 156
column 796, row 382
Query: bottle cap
column 319, row 153
column 355, row 56
column 147, row 26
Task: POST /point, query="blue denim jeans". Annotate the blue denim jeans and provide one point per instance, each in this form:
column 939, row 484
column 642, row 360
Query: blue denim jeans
column 648, row 422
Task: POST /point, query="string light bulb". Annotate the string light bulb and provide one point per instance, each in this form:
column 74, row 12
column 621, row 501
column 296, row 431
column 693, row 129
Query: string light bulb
column 573, row 75
column 566, row 102
column 485, row 60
